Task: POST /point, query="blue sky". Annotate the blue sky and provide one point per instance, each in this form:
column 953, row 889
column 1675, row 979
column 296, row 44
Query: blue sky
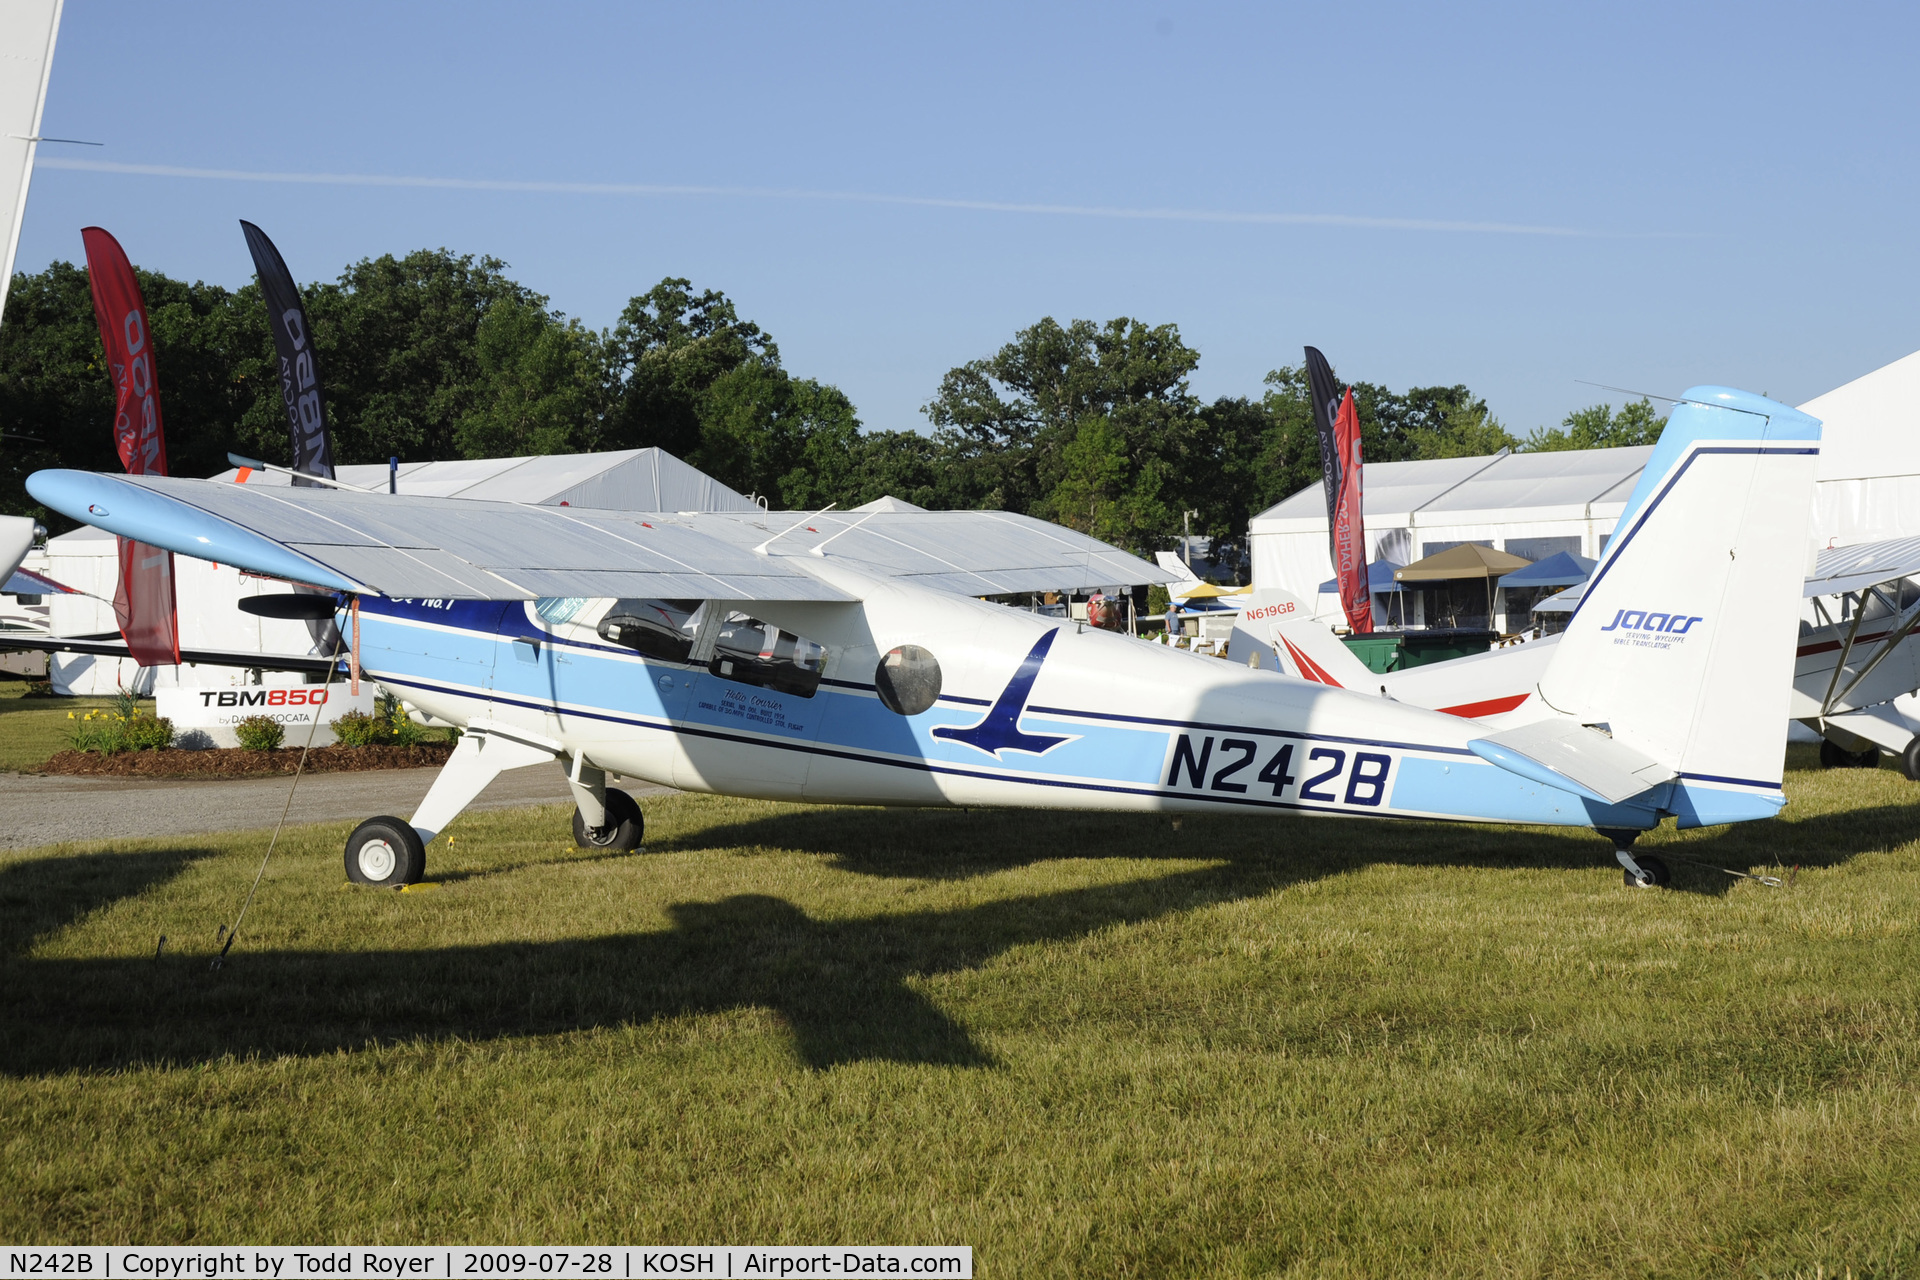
column 1515, row 197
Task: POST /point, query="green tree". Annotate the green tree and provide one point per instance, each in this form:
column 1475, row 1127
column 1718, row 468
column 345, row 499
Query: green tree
column 540, row 388
column 1007, row 427
column 666, row 357
column 57, row 395
column 401, row 353
column 1467, row 430
column 1599, row 427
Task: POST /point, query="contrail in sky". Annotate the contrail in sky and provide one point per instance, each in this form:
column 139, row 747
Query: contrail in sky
column 794, row 193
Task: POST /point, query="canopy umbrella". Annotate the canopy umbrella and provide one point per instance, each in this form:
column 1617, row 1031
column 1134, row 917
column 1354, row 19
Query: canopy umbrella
column 1563, row 569
column 1467, row 561
column 1208, row 591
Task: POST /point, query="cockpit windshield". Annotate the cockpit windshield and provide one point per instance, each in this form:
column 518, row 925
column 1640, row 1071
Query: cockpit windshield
column 745, row 649
column 657, row 628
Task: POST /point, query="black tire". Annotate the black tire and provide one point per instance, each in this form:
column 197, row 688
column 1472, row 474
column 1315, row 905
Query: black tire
column 1909, row 761
column 624, row 830
column 385, row 852
column 1834, row 756
column 1653, row 873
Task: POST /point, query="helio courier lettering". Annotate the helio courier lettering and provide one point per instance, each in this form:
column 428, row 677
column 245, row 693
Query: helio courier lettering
column 1673, row 624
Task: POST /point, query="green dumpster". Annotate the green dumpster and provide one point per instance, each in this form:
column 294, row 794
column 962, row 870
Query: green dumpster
column 1385, row 651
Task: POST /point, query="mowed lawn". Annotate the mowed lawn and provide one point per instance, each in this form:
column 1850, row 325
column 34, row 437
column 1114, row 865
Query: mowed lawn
column 31, row 729
column 1085, row 1045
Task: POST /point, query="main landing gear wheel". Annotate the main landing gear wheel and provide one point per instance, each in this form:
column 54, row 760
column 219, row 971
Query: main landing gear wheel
column 623, row 831
column 385, row 851
column 1834, row 756
column 1909, row 761
column 1653, row 873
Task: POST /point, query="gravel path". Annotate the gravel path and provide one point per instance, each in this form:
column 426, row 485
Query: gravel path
column 36, row 810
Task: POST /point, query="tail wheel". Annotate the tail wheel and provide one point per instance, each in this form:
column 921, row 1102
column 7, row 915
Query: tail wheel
column 623, row 832
column 1653, row 873
column 385, row 851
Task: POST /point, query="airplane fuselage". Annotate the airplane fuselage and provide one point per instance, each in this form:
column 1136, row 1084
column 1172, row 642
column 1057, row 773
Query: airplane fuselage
column 1031, row 712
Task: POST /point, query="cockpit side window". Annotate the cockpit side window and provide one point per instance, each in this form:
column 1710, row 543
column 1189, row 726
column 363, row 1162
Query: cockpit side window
column 750, row 651
column 657, row 628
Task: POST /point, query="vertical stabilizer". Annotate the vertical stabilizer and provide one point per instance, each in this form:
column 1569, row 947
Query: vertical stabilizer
column 1276, row 632
column 1683, row 645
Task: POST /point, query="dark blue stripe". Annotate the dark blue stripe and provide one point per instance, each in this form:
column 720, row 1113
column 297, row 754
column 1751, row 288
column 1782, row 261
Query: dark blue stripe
column 1738, row 782
column 926, row 766
column 1212, row 727
column 1619, row 549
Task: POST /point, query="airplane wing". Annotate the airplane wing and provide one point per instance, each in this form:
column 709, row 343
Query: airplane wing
column 1863, row 565
column 408, row 546
column 975, row 553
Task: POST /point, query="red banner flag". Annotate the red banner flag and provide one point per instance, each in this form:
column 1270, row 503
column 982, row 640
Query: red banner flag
column 1349, row 523
column 143, row 603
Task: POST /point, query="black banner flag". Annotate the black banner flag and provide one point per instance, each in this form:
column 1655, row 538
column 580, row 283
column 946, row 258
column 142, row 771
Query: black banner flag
column 1324, row 389
column 299, row 363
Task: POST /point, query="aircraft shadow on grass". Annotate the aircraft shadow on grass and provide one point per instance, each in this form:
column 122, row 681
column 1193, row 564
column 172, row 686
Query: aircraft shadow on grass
column 843, row 987
column 954, row 845
column 39, row 896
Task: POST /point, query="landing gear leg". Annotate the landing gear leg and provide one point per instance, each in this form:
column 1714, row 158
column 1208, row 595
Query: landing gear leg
column 603, row 818
column 1643, row 871
column 387, row 851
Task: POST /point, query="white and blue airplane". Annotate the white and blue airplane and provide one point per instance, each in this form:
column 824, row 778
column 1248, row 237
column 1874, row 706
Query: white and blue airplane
column 845, row 660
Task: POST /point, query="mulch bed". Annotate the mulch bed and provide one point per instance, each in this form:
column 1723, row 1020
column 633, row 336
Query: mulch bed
column 176, row 762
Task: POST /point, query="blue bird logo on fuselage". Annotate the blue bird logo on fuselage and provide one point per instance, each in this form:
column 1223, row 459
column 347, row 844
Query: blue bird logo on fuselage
column 999, row 730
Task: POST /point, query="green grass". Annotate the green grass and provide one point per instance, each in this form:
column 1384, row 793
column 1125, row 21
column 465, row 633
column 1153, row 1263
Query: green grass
column 1086, row 1045
column 32, row 729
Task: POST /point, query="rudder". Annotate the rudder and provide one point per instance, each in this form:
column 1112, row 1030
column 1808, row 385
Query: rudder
column 1683, row 643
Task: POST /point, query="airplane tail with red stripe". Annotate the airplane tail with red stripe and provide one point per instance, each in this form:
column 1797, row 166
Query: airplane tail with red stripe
column 1276, row 632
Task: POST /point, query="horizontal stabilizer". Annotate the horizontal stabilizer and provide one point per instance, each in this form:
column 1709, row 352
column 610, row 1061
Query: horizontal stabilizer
column 1572, row 757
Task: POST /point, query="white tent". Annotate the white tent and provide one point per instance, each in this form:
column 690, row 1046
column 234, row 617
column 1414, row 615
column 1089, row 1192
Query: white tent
column 1528, row 504
column 1534, row 504
column 1869, row 470
column 208, row 594
column 617, row 480
column 888, row 503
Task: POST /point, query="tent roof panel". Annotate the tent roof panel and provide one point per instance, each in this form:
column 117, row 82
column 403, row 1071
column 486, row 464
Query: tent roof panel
column 1553, row 485
column 1561, row 478
column 1390, row 487
column 613, row 480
